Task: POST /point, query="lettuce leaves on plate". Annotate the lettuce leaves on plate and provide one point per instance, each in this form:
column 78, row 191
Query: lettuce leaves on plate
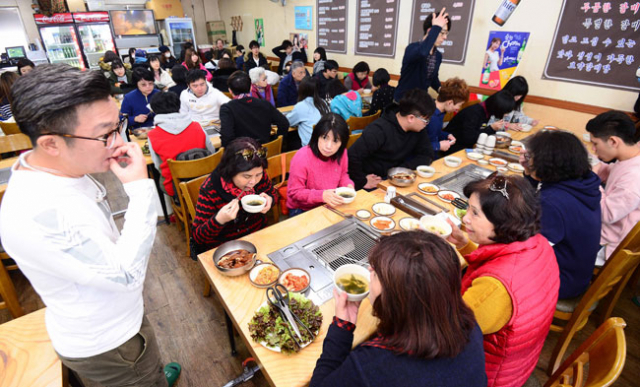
column 268, row 328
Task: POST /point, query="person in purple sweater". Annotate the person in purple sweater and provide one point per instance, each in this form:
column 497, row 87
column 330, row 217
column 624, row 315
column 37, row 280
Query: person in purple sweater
column 426, row 334
column 320, row 167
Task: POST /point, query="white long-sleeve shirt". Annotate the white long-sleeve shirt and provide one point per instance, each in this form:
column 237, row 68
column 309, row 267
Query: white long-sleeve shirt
column 66, row 243
column 204, row 109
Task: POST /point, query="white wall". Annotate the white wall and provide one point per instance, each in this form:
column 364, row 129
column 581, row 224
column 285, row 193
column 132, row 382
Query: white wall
column 538, row 17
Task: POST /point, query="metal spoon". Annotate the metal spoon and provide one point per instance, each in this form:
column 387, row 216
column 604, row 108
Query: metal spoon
column 354, row 261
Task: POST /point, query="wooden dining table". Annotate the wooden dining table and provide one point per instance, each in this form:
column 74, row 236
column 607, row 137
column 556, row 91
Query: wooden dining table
column 241, row 299
column 27, row 358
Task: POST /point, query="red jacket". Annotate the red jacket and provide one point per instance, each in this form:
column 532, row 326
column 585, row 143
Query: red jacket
column 169, row 146
column 529, row 271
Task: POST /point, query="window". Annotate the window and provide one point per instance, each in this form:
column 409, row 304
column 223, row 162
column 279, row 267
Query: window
column 11, row 29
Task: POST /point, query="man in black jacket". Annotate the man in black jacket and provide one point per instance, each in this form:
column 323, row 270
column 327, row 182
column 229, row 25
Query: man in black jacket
column 245, row 116
column 326, row 75
column 396, row 139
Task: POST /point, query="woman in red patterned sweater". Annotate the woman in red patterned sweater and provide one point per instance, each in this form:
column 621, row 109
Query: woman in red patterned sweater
column 219, row 214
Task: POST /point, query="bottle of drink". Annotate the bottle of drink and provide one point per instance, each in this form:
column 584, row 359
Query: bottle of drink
column 504, row 11
column 486, row 75
column 521, row 51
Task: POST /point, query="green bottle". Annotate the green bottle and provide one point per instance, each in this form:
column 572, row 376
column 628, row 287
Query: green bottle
column 486, row 75
column 521, row 51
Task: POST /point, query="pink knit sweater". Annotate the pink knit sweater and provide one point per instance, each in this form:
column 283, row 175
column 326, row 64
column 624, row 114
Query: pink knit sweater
column 310, row 176
column 620, row 200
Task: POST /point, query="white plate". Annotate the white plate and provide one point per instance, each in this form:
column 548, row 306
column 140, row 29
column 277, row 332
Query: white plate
column 516, row 144
column 278, row 349
column 422, row 187
column 383, row 209
column 515, row 167
column 498, row 162
column 409, row 224
column 363, row 214
column 525, row 127
column 444, row 192
column 392, row 225
column 475, row 156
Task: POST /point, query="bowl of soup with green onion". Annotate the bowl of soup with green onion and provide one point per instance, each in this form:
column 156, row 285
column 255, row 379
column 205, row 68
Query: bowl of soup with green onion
column 352, row 279
column 253, row 203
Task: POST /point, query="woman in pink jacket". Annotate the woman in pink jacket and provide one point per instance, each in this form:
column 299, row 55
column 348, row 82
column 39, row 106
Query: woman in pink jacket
column 320, row 167
column 192, row 61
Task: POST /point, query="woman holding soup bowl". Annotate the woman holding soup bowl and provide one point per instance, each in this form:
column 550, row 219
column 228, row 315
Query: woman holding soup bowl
column 326, row 152
column 220, row 216
column 426, row 335
column 512, row 280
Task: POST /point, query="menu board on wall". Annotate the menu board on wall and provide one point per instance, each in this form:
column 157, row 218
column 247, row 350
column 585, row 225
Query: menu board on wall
column 596, row 43
column 377, row 27
column 331, row 31
column 454, row 48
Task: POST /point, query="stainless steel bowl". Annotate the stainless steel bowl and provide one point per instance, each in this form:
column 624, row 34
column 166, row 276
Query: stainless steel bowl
column 230, row 246
column 503, row 141
column 401, row 182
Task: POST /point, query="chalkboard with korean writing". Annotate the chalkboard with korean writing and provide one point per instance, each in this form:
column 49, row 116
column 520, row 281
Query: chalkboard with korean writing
column 454, row 48
column 596, row 43
column 331, row 31
column 377, row 27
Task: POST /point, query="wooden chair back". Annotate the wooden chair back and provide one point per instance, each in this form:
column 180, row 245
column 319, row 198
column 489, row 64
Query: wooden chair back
column 274, row 147
column 359, row 123
column 8, row 294
column 449, row 116
column 4, row 257
column 228, row 94
column 277, row 169
column 190, row 190
column 604, row 351
column 183, row 170
column 352, row 139
column 614, row 275
column 14, row 143
column 9, row 128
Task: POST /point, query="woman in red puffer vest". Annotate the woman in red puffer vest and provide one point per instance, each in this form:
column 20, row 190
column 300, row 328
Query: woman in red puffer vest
column 513, row 279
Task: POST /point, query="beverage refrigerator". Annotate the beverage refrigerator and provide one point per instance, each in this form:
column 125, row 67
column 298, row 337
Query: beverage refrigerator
column 179, row 30
column 60, row 40
column 95, row 36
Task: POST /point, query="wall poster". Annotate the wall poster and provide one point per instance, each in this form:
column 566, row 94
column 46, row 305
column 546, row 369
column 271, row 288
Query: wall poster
column 503, row 54
column 304, row 18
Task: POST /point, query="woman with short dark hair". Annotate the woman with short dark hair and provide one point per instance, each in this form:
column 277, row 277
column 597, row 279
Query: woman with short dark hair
column 467, row 125
column 319, row 57
column 519, row 88
column 25, row 66
column 136, row 103
column 512, row 280
column 358, row 78
column 558, row 165
column 383, row 96
column 426, row 334
column 325, row 152
column 308, row 110
column 219, row 214
column 347, row 103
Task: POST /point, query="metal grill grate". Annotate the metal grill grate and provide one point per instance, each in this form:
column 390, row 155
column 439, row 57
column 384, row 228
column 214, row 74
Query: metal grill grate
column 354, row 244
column 456, row 181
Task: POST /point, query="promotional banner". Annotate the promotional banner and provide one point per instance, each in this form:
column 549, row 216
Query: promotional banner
column 299, row 40
column 260, row 31
column 503, row 53
column 304, row 17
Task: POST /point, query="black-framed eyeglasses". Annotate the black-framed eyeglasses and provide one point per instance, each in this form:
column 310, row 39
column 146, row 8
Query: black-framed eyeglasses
column 108, row 139
column 499, row 184
column 249, row 153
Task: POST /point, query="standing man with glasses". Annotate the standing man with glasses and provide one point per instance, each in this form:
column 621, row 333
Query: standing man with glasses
column 396, row 139
column 57, row 225
column 421, row 61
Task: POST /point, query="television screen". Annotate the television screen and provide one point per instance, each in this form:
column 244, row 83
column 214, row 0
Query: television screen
column 133, row 22
column 16, row 52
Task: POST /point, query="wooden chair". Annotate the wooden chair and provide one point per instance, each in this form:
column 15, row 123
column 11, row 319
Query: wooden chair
column 274, row 67
column 277, row 169
column 604, row 352
column 449, row 116
column 183, row 170
column 613, row 277
column 8, row 293
column 274, row 147
column 359, row 123
column 189, row 191
column 14, row 143
column 9, row 128
column 228, row 94
column 352, row 139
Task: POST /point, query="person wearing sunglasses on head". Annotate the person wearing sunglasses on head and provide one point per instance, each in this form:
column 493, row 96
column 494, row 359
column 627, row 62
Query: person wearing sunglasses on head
column 56, row 223
column 512, row 280
column 397, row 139
column 219, row 213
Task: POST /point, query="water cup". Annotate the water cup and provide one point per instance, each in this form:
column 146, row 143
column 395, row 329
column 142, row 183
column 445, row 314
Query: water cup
column 491, row 142
column 482, row 139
